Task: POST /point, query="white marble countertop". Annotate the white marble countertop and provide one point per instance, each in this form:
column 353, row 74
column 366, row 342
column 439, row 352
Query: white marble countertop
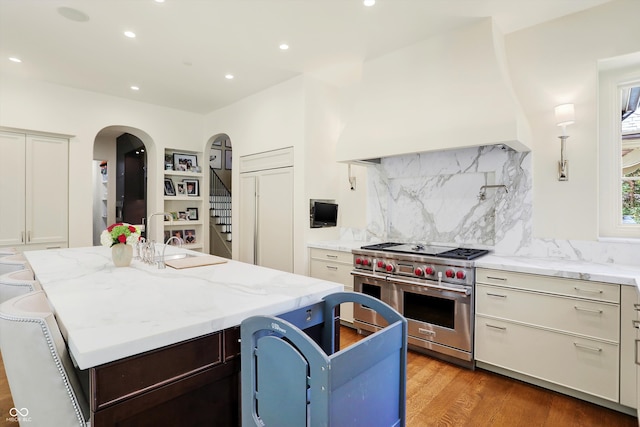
column 608, row 273
column 108, row 313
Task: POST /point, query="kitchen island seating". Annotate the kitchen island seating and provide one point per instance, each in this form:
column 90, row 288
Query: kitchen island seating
column 17, row 283
column 45, row 388
column 13, row 262
column 288, row 380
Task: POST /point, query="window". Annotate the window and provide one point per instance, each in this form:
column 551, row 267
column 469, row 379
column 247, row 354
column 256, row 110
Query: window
column 619, row 148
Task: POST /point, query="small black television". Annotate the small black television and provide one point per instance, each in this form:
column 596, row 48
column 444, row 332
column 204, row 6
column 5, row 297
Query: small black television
column 323, row 214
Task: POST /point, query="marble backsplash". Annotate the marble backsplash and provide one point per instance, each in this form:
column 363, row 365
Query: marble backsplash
column 434, row 197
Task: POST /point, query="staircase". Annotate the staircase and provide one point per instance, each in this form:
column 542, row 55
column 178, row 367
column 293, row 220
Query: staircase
column 220, row 212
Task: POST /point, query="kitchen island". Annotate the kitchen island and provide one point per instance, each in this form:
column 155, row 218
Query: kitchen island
column 161, row 345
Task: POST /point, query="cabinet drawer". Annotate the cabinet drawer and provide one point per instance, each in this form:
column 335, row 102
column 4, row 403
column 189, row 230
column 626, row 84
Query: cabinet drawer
column 585, row 317
column 550, row 284
column 335, row 256
column 332, row 271
column 581, row 364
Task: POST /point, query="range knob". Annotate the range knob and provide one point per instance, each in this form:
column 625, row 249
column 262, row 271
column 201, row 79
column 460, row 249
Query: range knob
column 418, row 272
column 449, row 273
column 461, row 275
column 358, row 261
column 381, row 264
column 390, row 268
column 365, row 262
column 429, row 271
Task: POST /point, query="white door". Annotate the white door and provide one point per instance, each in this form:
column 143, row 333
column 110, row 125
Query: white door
column 47, row 166
column 12, row 189
column 275, row 219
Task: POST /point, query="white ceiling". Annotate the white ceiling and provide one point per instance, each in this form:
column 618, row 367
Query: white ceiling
column 184, row 48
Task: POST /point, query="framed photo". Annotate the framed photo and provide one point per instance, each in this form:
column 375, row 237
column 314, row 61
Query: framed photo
column 215, row 159
column 192, row 214
column 193, row 187
column 227, row 159
column 169, row 189
column 179, row 235
column 227, row 143
column 183, row 216
column 184, row 162
column 190, row 237
column 181, row 188
column 167, row 234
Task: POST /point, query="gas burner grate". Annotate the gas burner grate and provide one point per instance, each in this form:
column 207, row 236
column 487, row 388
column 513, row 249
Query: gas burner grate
column 463, row 253
column 380, row 246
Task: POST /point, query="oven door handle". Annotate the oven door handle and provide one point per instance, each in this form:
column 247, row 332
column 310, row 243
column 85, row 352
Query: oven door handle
column 465, row 291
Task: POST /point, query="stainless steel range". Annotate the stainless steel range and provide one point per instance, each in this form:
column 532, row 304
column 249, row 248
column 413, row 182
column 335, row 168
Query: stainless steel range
column 432, row 286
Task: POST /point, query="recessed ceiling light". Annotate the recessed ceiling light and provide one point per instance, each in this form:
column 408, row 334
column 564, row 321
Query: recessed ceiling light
column 73, row 14
column 228, row 76
column 284, row 46
column 130, row 34
column 14, row 59
column 135, row 88
column 159, row 1
column 369, row 2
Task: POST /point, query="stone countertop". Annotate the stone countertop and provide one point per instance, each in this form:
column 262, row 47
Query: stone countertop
column 107, row 313
column 583, row 270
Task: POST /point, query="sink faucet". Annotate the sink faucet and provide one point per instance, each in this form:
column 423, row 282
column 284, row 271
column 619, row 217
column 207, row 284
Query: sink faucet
column 161, row 263
column 148, row 226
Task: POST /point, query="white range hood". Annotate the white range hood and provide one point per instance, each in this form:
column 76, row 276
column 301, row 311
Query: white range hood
column 450, row 91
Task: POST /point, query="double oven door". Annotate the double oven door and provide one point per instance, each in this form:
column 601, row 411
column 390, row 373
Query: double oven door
column 439, row 318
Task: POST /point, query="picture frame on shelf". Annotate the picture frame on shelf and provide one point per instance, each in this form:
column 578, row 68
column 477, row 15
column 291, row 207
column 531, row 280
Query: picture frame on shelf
column 183, row 216
column 193, row 187
column 181, row 189
column 192, row 214
column 215, row 159
column 169, row 189
column 180, row 235
column 167, row 234
column 227, row 159
column 190, row 236
column 184, row 162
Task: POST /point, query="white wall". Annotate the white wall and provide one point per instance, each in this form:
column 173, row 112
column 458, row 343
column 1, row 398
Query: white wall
column 44, row 107
column 556, row 63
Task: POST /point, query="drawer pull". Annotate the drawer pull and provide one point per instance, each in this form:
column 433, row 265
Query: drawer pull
column 589, row 291
column 332, row 256
column 496, row 278
column 636, row 307
column 489, row 294
column 636, row 353
column 588, row 310
column 332, row 267
column 426, row 331
column 588, row 347
column 636, row 324
column 502, row 328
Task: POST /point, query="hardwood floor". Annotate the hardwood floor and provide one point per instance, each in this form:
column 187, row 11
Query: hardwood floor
column 441, row 394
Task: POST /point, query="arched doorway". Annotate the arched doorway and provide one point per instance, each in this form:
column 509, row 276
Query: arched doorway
column 120, row 156
column 220, row 189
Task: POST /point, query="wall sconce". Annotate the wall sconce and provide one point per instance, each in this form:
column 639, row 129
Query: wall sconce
column 565, row 115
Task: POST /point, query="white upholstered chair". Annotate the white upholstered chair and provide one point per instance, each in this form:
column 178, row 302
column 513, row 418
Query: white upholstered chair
column 40, row 372
column 13, row 262
column 17, row 283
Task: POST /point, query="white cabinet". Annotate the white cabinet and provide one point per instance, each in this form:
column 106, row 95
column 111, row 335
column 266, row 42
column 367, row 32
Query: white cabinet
column 184, row 199
column 561, row 331
column 266, row 209
column 334, row 266
column 628, row 335
column 34, row 182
